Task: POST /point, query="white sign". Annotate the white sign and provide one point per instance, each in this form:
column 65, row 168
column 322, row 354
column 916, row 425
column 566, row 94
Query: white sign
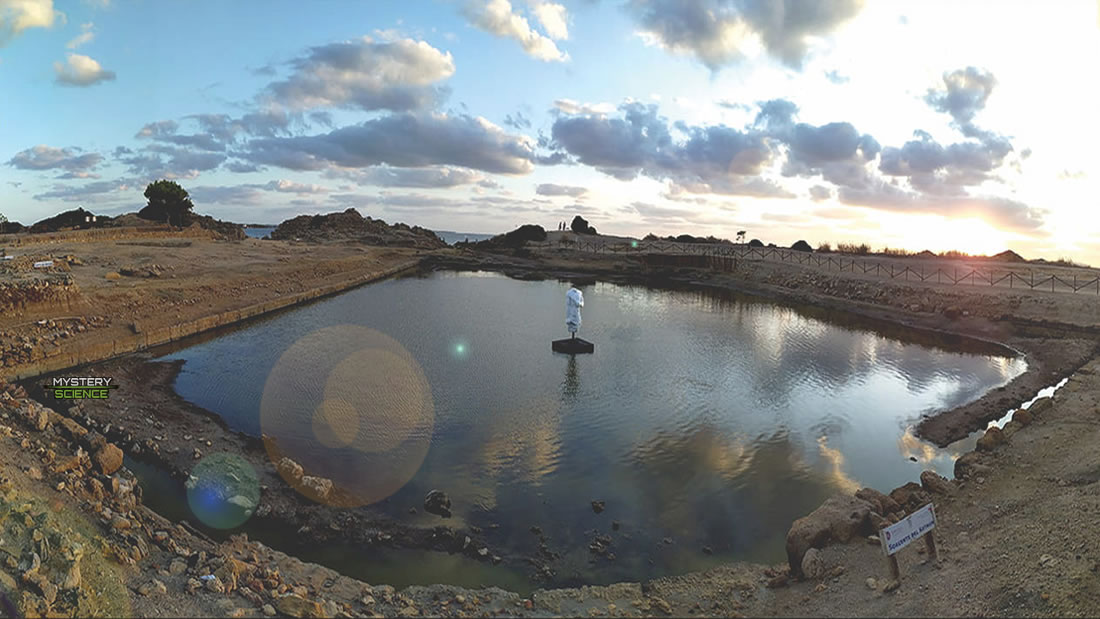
column 911, row 528
column 43, row 264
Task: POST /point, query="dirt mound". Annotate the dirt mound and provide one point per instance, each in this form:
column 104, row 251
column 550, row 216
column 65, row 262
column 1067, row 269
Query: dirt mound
column 351, row 226
column 1008, row 256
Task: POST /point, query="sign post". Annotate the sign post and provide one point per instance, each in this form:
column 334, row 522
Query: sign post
column 908, row 530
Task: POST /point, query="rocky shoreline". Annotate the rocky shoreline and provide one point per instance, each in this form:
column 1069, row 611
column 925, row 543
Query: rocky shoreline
column 157, row 425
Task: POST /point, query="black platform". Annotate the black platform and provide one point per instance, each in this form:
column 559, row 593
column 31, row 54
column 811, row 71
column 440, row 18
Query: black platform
column 573, row 346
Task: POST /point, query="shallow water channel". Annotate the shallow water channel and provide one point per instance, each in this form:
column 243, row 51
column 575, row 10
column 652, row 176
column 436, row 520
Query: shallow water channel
column 703, row 419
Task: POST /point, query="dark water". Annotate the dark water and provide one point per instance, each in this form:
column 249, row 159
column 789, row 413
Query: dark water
column 709, row 419
column 258, row 233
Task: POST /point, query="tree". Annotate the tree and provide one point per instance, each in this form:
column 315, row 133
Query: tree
column 741, row 236
column 580, row 226
column 168, row 202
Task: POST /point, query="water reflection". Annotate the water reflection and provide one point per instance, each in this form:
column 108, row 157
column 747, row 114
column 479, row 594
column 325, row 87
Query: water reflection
column 708, row 417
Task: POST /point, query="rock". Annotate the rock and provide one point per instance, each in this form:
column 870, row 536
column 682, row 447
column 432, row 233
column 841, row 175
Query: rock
column 291, row 471
column 72, row 577
column 879, row 523
column 615, row 525
column 113, row 275
column 775, row 582
column 269, row 610
column 151, row 587
column 294, row 605
column 991, row 439
column 597, row 506
column 969, row 464
column 1012, row 427
column 119, row 523
column 880, row 503
column 1039, row 406
column 437, row 502
column 178, row 566
column 1047, row 561
column 316, row 488
column 934, row 483
column 840, row 519
column 108, row 459
column 213, row 584
column 707, row 550
column 41, row 419
column 813, row 566
column 1023, row 417
column 872, row 584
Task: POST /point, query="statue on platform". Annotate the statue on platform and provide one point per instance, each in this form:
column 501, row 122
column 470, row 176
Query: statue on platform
column 574, row 301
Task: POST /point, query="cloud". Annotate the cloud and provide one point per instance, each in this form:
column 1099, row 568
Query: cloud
column 575, row 108
column 19, row 15
column 550, row 189
column 44, row 157
column 90, row 192
column 168, row 161
column 835, row 77
column 285, row 186
column 1002, row 212
column 719, row 32
column 964, row 94
column 86, row 35
column 819, row 193
column 76, row 175
column 397, row 74
column 712, row 159
column 402, row 140
column 496, row 17
column 79, row 70
column 934, row 168
column 165, row 131
column 554, row 19
column 423, row 178
column 241, row 167
column 517, row 121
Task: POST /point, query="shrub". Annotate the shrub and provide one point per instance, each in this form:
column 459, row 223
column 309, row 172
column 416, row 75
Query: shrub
column 801, row 246
column 824, row 248
column 851, row 248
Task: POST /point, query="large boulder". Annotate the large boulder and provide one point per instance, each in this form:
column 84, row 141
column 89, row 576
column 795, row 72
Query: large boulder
column 290, row 470
column 991, row 439
column 1039, row 406
column 936, row 484
column 881, row 503
column 316, row 488
column 107, row 459
column 840, row 519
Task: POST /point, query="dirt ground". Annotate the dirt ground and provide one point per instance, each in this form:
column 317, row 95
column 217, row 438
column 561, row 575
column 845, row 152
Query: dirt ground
column 1016, row 538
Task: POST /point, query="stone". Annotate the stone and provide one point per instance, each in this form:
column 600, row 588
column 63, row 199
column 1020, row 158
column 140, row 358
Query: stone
column 316, row 488
column 177, row 567
column 119, row 523
column 1010, row 428
column 269, row 610
column 1023, row 417
column 1039, row 406
column 776, row 582
column 839, row 519
column 294, row 605
column 597, row 506
column 291, row 471
column 213, row 584
column 813, row 565
column 936, row 484
column 108, row 459
column 872, row 584
column 437, row 502
column 72, row 577
column 881, row 503
column 41, row 420
column 151, row 587
column 878, row 522
column 113, row 275
column 969, row 464
column 991, row 439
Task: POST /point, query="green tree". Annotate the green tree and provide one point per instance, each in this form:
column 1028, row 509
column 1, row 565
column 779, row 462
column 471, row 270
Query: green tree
column 168, row 202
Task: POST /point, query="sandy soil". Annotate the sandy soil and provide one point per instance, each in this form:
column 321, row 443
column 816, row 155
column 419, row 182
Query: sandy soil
column 1017, row 538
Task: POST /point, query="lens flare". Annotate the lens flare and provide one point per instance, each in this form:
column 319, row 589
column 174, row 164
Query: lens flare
column 347, row 416
column 460, row 349
column 223, row 491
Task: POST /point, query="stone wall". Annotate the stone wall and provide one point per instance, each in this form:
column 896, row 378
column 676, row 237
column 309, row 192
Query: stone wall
column 102, row 234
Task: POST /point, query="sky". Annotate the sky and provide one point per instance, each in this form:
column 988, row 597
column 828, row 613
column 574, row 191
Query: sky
column 921, row 125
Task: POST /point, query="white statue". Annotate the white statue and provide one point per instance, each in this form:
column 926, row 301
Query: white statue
column 574, row 301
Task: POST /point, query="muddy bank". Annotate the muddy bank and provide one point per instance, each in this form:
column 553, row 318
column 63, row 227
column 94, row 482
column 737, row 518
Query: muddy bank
column 1053, row 349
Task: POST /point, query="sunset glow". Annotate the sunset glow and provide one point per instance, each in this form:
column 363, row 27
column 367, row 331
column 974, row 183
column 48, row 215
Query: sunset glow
column 939, row 125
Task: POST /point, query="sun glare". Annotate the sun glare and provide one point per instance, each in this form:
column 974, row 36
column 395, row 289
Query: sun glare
column 972, row 236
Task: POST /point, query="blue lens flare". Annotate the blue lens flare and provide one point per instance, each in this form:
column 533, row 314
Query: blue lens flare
column 460, row 349
column 223, row 491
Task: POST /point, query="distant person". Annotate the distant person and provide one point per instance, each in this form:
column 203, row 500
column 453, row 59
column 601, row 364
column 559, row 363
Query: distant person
column 574, row 301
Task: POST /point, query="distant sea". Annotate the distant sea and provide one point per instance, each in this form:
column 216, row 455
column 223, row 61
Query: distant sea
column 451, row 238
column 258, row 233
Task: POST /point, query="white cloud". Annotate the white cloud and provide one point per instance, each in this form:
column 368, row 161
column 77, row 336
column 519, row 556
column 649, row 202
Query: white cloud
column 81, row 71
column 554, row 19
column 394, row 74
column 576, row 108
column 86, row 35
column 496, row 17
column 19, row 15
